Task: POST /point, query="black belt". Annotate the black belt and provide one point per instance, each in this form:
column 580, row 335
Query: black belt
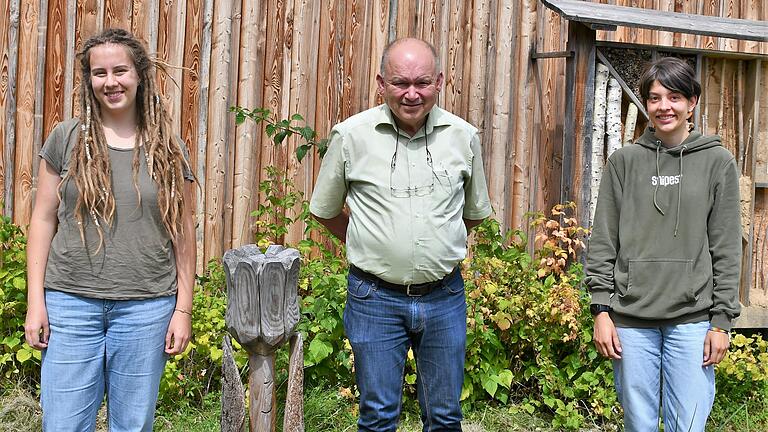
column 414, row 290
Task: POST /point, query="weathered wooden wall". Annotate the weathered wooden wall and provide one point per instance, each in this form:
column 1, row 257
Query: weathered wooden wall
column 318, row 59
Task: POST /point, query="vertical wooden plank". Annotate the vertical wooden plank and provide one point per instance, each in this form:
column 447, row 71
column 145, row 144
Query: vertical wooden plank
column 455, row 56
column 577, row 134
column 379, row 39
column 551, row 79
column 248, row 137
column 751, row 108
column 144, row 21
column 218, row 131
column 499, row 123
column 522, row 112
column 190, row 101
column 478, row 51
column 88, row 20
column 201, row 163
column 233, row 71
column 760, row 149
column 55, row 63
column 303, row 78
column 758, row 295
column 358, row 51
column 9, row 50
column 25, row 112
column 69, row 60
column 170, row 50
column 42, row 35
column 118, row 14
column 406, row 19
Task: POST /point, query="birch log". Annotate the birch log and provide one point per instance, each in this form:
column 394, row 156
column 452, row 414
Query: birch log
column 630, row 124
column 598, row 135
column 613, row 117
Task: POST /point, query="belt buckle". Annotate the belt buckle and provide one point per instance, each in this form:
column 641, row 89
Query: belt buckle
column 408, row 291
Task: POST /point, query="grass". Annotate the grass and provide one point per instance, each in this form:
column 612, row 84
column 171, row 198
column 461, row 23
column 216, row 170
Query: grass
column 327, row 410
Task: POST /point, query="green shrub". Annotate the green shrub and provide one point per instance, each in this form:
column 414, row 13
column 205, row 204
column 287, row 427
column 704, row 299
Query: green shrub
column 529, row 334
column 18, row 361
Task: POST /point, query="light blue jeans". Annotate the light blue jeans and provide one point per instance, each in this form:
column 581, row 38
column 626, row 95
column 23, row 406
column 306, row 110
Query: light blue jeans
column 381, row 325
column 664, row 362
column 103, row 345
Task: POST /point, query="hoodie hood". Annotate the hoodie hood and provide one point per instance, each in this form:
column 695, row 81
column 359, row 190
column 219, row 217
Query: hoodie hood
column 693, row 143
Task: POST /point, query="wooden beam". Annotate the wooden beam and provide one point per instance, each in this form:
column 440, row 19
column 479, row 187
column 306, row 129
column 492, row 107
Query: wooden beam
column 622, row 83
column 553, row 54
column 598, row 13
column 577, row 131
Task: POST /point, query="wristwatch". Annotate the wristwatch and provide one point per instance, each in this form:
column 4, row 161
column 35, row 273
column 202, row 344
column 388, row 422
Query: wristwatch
column 598, row 308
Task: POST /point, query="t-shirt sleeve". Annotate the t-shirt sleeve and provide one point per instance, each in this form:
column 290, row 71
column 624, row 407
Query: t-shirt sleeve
column 331, row 187
column 477, row 204
column 54, row 148
column 58, row 146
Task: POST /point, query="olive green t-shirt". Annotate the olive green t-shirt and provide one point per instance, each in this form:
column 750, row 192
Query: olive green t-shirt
column 136, row 260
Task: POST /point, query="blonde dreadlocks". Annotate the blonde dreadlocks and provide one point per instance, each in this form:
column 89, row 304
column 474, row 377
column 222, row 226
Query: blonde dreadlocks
column 89, row 165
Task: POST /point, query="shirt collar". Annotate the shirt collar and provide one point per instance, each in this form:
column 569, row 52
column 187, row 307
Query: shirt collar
column 435, row 119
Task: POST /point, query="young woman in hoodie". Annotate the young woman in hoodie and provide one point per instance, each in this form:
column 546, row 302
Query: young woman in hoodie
column 664, row 258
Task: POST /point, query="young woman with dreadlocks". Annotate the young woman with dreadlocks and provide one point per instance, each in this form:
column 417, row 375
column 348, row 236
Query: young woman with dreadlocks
column 111, row 249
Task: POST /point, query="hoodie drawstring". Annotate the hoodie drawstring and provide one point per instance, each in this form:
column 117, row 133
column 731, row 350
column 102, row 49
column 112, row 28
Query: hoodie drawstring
column 658, row 175
column 679, row 187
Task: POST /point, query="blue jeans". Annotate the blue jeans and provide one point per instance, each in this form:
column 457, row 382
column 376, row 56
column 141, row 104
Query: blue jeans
column 103, row 345
column 664, row 360
column 381, row 325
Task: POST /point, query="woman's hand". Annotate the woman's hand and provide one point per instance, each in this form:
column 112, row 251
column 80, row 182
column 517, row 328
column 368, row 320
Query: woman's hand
column 36, row 328
column 606, row 338
column 715, row 346
column 179, row 332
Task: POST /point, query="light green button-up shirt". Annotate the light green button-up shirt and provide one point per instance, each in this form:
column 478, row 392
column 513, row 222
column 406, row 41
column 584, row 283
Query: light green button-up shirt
column 406, row 205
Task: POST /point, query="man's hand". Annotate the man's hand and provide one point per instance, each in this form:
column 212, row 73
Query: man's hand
column 606, row 338
column 715, row 346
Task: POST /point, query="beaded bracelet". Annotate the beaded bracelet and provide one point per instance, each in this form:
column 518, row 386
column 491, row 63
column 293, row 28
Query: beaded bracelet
column 719, row 330
column 183, row 311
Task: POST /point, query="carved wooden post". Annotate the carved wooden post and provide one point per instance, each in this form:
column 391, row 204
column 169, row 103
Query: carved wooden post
column 262, row 312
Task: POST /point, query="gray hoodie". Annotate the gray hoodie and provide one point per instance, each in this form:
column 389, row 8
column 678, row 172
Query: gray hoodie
column 665, row 246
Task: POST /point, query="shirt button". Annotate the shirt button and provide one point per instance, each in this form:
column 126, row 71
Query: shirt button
column 413, row 164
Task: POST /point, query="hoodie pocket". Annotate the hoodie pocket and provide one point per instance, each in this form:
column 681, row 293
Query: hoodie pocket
column 658, row 288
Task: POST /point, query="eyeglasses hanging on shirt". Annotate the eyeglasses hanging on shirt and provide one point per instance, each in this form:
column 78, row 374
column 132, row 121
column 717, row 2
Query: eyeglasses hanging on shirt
column 406, row 190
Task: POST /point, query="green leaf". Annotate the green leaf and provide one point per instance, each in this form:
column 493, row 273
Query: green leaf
column 239, row 117
column 301, row 151
column 280, row 137
column 270, row 129
column 19, row 283
column 11, row 341
column 23, row 355
column 318, row 350
column 297, row 117
column 505, row 378
column 490, row 385
column 410, row 379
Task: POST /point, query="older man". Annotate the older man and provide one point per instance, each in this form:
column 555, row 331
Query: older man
column 412, row 178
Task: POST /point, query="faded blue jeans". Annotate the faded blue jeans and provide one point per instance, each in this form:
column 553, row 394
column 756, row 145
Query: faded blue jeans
column 98, row 346
column 664, row 363
column 381, row 325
